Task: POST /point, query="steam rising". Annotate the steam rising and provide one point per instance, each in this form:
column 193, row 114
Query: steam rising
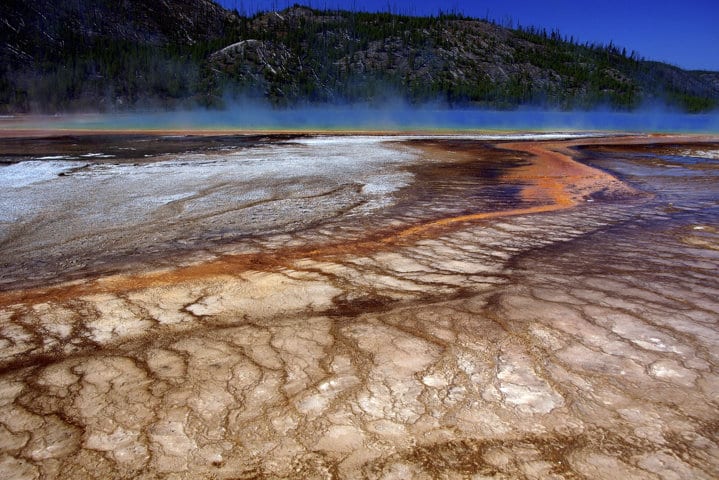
column 400, row 117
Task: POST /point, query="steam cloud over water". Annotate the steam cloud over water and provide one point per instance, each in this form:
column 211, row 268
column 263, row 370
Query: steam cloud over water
column 395, row 117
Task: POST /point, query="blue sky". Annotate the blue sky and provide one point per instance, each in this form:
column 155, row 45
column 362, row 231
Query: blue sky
column 683, row 33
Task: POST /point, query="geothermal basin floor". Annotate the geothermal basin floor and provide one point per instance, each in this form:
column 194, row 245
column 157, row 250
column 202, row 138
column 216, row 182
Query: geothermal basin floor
column 299, row 306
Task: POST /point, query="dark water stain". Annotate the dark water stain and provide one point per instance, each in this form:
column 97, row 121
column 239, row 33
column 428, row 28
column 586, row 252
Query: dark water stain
column 471, row 456
column 464, row 177
column 121, row 147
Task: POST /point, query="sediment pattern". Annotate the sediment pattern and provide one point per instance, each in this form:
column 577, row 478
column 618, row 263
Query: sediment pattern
column 568, row 331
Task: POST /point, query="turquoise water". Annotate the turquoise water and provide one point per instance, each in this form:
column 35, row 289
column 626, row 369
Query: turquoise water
column 401, row 118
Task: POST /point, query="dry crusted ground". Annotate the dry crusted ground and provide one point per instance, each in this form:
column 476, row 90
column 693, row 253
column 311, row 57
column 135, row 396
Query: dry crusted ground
column 563, row 339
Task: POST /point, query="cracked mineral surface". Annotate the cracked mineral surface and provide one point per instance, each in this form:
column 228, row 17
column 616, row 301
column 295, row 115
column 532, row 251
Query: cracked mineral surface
column 469, row 307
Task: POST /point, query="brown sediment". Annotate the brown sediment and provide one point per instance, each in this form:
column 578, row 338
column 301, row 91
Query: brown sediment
column 573, row 344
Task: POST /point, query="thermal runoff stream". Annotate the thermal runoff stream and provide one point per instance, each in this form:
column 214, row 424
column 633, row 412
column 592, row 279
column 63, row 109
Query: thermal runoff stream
column 225, row 306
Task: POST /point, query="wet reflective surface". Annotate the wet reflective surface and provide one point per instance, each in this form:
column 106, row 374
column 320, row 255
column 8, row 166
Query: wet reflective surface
column 391, row 308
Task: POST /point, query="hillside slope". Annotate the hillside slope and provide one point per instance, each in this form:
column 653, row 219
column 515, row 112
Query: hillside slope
column 75, row 54
column 137, row 53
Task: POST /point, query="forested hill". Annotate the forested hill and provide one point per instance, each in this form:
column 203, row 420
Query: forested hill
column 120, row 54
